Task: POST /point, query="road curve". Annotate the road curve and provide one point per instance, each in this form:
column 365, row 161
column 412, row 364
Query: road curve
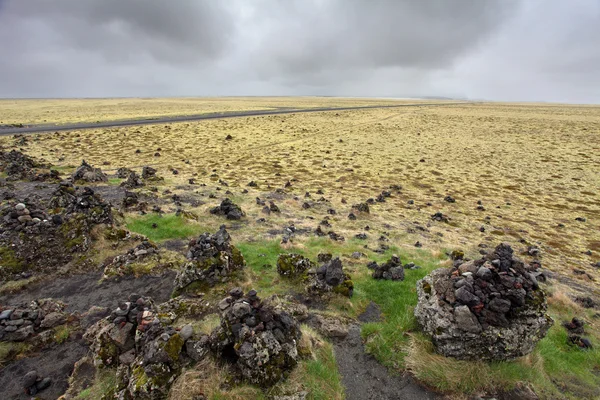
column 28, row 129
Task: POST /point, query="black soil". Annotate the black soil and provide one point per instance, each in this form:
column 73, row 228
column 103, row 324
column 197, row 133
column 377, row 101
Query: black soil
column 366, row 379
column 81, row 292
column 55, row 362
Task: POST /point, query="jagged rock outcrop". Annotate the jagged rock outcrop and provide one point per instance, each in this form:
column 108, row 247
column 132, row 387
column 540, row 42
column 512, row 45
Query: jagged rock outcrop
column 489, row 309
column 259, row 340
column 213, row 259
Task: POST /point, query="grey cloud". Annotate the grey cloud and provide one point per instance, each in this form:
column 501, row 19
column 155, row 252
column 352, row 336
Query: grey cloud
column 492, row 49
column 357, row 34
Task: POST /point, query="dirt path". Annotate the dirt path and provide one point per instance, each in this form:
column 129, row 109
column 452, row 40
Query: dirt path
column 81, row 292
column 366, row 379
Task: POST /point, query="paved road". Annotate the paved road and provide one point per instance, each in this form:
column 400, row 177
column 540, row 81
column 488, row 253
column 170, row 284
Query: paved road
column 10, row 130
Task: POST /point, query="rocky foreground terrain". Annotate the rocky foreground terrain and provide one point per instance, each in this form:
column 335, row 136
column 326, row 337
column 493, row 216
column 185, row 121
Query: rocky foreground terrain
column 135, row 282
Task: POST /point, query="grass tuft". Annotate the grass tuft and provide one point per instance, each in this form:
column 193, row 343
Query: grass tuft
column 167, row 227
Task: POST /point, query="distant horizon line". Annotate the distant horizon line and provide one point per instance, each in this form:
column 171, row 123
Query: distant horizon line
column 303, row 95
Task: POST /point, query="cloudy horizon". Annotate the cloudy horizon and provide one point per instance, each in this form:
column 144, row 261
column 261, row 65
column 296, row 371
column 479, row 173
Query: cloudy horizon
column 499, row 50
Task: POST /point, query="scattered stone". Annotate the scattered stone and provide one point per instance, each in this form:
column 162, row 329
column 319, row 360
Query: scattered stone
column 273, row 207
column 450, row 199
column 229, row 209
column 496, row 313
column 123, row 173
column 149, row 174
column 585, row 302
column 361, row 236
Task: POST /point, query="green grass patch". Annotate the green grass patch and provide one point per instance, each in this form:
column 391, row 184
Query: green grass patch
column 167, row 227
column 115, row 181
column 10, row 350
column 104, row 386
column 321, row 376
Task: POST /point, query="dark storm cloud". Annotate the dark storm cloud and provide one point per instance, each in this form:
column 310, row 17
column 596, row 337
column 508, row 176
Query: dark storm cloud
column 494, row 49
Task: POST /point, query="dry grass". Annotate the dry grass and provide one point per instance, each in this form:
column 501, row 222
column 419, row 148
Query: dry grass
column 46, row 111
column 532, row 166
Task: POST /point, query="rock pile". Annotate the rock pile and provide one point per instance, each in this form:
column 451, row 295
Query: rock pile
column 149, row 174
column 133, row 181
column 362, row 207
column 145, row 351
column 328, row 278
column 123, row 173
column 213, row 259
column 87, row 173
column 575, row 331
column 391, row 270
column 19, row 166
column 21, row 323
column 260, row 341
column 122, row 264
column 489, row 309
column 33, row 238
column 229, row 209
column 293, row 265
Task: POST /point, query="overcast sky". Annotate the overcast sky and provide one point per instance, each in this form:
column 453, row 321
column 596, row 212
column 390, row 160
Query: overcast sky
column 529, row 50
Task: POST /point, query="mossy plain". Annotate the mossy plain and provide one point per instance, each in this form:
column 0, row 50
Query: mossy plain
column 534, row 167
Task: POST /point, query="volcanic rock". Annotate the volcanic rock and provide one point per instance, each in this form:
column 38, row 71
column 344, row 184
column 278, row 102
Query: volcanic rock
column 496, row 313
column 259, row 340
column 330, row 277
column 229, row 209
column 391, row 270
column 213, row 259
column 293, row 265
column 87, row 173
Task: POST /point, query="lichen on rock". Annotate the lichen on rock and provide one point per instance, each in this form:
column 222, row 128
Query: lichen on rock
column 490, row 309
column 212, row 259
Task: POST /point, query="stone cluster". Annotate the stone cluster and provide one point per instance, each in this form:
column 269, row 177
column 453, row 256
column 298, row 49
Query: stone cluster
column 293, row 265
column 149, row 174
column 328, row 278
column 87, row 173
column 133, row 180
column 575, row 331
column 121, row 264
column 20, row 214
column 489, row 309
column 213, row 259
column 145, row 351
column 19, row 166
column 33, row 383
column 259, row 340
column 390, row 270
column 228, row 209
column 21, row 323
